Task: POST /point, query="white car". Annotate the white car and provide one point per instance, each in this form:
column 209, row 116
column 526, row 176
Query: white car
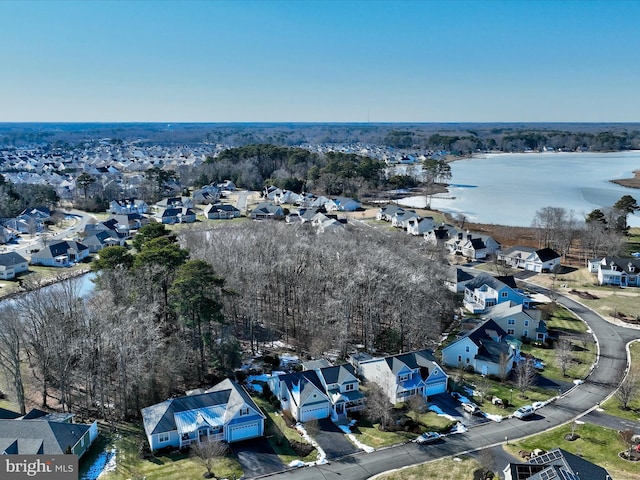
column 524, row 412
column 470, row 408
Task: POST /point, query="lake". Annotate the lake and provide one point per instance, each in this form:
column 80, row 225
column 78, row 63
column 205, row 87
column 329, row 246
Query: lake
column 508, row 189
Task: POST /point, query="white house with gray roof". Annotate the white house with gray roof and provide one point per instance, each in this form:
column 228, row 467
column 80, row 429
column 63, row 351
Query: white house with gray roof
column 11, row 264
column 223, row 412
column 405, row 375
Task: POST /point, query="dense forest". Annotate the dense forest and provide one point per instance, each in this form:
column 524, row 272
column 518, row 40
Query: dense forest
column 463, row 138
column 177, row 312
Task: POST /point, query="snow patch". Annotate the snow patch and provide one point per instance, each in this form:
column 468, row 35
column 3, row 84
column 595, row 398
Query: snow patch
column 495, row 418
column 578, row 382
column 322, row 456
column 296, row 463
column 438, row 411
column 354, row 440
column 459, row 428
column 105, row 462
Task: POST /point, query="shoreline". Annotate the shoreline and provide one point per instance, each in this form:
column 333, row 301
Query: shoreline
column 633, row 182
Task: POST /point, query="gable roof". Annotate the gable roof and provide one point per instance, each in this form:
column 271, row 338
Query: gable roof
column 497, row 283
column 40, row 436
column 221, row 400
column 338, row 374
column 546, row 254
column 557, row 463
column 11, row 258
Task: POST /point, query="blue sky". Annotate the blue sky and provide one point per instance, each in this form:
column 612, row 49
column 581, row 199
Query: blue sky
column 320, row 61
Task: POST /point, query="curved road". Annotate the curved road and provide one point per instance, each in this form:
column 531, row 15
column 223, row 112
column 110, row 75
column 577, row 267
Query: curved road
column 602, row 381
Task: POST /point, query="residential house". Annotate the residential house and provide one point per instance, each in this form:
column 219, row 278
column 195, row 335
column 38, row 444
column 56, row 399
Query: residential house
column 169, row 216
column 97, row 240
column 518, row 321
column 221, row 211
column 485, row 291
column 224, row 412
column 440, row 235
column 402, row 219
column 125, row 222
column 187, row 215
column 457, row 279
column 341, row 387
column 227, row 185
column 467, row 246
column 267, row 211
column 419, row 226
column 387, row 212
column 207, row 195
column 60, row 254
column 406, row 374
column 40, row 433
column 324, row 223
column 617, row 271
column 302, row 394
column 556, row 463
column 11, row 264
column 128, row 205
column 541, row 260
column 6, row 235
column 343, row 204
column 487, row 349
column 175, row 202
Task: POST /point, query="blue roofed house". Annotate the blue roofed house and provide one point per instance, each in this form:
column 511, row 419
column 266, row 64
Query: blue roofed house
column 11, row 264
column 343, row 204
column 405, row 375
column 60, row 254
column 485, row 291
column 302, row 394
column 487, row 349
column 224, row 412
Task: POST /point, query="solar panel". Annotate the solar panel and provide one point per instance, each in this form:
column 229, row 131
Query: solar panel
column 548, row 474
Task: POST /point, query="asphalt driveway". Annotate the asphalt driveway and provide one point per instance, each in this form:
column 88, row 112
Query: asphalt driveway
column 453, row 407
column 333, row 440
column 256, row 457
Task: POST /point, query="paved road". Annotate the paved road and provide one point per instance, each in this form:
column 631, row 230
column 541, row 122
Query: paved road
column 602, row 381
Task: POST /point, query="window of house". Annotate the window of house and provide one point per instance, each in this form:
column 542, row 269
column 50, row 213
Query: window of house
column 510, row 331
column 244, row 411
column 163, row 438
column 511, row 321
column 466, row 349
column 504, row 294
column 467, row 360
column 349, row 387
column 526, row 323
column 459, row 358
column 525, row 333
column 403, row 377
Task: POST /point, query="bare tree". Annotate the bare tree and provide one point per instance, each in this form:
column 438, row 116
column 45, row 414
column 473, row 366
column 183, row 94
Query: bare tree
column 379, row 408
column 525, row 376
column 627, row 390
column 11, row 346
column 207, row 452
column 563, row 355
column 503, row 366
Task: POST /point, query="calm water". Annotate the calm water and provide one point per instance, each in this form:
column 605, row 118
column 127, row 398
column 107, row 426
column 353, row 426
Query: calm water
column 507, row 189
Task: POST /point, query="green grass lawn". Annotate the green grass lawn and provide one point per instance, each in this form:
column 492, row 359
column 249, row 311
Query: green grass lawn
column 597, row 444
column 583, row 356
column 369, row 434
column 432, row 421
column 633, row 240
column 563, row 320
column 612, row 406
column 126, row 441
column 279, row 435
column 461, row 468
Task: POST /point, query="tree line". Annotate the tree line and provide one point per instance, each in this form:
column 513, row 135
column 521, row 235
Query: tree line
column 178, row 312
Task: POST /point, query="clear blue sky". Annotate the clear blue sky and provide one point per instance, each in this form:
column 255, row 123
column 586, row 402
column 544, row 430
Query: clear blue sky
column 342, row 61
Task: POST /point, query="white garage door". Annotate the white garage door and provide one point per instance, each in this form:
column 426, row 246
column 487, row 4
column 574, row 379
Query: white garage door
column 436, row 388
column 242, row 432
column 313, row 413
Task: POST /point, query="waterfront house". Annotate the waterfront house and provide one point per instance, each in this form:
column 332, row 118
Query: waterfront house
column 60, row 254
column 12, row 264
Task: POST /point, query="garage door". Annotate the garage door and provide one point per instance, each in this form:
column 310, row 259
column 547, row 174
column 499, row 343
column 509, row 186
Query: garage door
column 312, row 413
column 242, row 432
column 436, row 388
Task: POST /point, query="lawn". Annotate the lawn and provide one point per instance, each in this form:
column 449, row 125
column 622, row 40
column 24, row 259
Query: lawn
column 583, row 355
column 279, row 435
column 432, row 421
column 563, row 320
column 459, row 468
column 126, row 440
column 633, row 240
column 612, row 405
column 369, row 434
column 597, row 444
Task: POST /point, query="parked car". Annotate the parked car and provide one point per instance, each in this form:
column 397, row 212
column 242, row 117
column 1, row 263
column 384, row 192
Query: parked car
column 470, row 408
column 524, row 412
column 428, row 437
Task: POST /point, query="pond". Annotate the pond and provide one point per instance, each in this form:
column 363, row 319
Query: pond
column 508, row 189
